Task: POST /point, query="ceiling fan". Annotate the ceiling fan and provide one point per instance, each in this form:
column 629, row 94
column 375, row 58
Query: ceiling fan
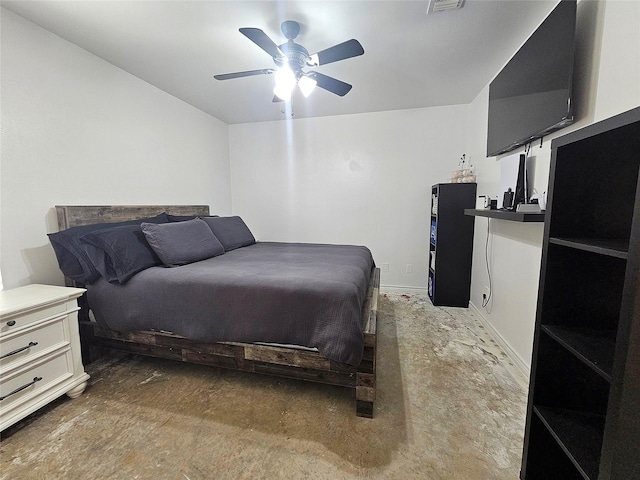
column 291, row 58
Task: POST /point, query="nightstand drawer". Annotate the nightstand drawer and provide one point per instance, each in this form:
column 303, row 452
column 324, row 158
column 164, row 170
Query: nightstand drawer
column 39, row 377
column 16, row 322
column 28, row 343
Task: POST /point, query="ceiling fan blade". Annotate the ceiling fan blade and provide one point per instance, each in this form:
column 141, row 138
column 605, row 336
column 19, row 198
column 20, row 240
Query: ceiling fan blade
column 348, row 49
column 248, row 73
column 329, row 83
column 261, row 39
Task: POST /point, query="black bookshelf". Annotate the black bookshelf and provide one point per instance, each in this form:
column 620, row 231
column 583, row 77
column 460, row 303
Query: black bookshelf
column 451, row 244
column 583, row 419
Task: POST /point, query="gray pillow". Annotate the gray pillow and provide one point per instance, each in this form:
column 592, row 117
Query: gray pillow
column 231, row 231
column 118, row 253
column 179, row 243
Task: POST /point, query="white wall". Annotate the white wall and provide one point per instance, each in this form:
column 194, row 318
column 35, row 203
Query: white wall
column 606, row 82
column 78, row 131
column 361, row 179
column 619, row 73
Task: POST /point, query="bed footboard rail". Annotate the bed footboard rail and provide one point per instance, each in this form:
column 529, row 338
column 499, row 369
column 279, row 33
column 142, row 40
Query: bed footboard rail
column 366, row 371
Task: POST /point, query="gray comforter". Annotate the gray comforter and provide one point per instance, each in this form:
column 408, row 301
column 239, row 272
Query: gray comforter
column 302, row 294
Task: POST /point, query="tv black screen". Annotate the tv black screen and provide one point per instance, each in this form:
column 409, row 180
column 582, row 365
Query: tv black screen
column 531, row 96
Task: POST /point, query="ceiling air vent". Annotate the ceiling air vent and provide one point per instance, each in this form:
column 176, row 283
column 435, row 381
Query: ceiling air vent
column 436, row 6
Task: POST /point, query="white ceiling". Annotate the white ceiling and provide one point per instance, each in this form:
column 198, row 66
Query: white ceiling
column 411, row 59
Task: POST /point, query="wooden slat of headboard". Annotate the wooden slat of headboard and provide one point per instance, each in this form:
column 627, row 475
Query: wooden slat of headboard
column 74, row 215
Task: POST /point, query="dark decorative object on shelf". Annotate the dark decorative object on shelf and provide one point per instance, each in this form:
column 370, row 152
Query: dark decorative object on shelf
column 583, row 420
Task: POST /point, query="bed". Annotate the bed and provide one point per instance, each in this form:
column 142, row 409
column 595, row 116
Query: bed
column 345, row 356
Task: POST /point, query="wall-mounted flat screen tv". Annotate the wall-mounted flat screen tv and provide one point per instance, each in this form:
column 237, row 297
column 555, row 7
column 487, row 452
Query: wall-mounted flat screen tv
column 531, row 96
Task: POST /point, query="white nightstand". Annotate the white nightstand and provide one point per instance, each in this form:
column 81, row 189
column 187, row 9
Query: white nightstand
column 39, row 349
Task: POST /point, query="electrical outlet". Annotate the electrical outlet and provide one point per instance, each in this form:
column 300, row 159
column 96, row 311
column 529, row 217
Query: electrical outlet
column 385, row 267
column 409, row 268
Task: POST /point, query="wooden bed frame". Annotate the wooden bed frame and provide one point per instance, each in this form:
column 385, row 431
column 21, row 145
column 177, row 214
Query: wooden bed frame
column 248, row 357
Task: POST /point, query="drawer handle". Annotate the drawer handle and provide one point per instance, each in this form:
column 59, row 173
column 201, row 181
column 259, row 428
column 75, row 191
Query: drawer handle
column 31, row 344
column 19, row 389
column 11, row 323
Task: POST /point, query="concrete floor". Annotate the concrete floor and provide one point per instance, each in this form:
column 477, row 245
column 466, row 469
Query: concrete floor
column 449, row 406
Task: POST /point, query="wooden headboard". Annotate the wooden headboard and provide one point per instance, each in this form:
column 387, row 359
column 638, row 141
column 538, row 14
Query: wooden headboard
column 74, row 215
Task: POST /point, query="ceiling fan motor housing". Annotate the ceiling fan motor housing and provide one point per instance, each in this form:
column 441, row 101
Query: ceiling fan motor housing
column 296, row 56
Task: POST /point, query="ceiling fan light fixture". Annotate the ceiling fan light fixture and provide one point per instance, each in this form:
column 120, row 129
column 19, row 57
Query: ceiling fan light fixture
column 285, row 83
column 282, row 93
column 307, row 85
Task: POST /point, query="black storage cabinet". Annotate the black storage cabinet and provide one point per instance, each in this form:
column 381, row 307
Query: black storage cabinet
column 451, row 244
column 583, row 414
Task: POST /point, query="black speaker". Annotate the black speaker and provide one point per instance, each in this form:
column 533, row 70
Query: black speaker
column 520, row 195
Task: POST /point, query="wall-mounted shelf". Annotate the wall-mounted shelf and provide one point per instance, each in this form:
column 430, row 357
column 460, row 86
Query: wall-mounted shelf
column 505, row 215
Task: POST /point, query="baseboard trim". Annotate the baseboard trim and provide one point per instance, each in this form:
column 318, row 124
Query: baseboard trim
column 400, row 289
column 522, row 367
